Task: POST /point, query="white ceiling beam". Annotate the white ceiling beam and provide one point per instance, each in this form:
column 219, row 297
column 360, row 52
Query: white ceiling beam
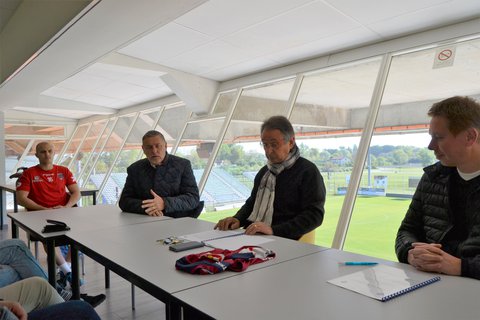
column 53, row 103
column 197, row 92
column 107, row 27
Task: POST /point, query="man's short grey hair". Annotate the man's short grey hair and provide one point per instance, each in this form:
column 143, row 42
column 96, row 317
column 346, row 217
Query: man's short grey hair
column 152, row 133
column 280, row 123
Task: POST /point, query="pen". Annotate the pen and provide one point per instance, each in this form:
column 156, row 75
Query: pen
column 359, row 263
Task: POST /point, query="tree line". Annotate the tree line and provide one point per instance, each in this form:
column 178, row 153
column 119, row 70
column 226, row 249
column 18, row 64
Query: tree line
column 234, row 159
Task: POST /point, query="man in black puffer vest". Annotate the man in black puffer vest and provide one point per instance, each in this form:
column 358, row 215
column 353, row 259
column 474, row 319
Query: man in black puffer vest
column 161, row 184
column 441, row 230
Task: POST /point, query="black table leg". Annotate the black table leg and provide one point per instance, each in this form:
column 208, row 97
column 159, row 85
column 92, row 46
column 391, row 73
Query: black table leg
column 107, row 278
column 75, row 273
column 51, row 262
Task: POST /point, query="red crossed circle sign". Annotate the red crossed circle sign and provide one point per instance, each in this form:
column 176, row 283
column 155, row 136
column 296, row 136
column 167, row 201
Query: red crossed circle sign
column 445, row 55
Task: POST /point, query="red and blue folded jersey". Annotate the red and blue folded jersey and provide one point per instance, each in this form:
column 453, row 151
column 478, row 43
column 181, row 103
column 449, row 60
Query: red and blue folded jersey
column 219, row 260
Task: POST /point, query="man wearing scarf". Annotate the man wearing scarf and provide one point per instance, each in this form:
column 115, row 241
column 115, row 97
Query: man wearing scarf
column 288, row 193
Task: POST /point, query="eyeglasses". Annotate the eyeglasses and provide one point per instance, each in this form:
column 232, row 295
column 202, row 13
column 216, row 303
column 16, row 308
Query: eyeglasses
column 273, row 145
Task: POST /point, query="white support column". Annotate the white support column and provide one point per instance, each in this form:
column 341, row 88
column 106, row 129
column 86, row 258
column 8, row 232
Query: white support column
column 218, row 142
column 356, row 176
column 29, row 146
column 3, row 210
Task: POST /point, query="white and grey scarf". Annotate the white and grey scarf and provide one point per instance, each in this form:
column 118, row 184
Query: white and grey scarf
column 263, row 207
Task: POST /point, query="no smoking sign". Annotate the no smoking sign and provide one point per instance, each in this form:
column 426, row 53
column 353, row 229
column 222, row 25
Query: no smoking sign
column 444, row 57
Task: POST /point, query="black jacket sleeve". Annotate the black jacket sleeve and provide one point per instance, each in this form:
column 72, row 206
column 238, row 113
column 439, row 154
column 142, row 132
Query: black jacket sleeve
column 309, row 212
column 299, row 200
column 471, row 267
column 187, row 199
column 411, row 228
column 131, row 199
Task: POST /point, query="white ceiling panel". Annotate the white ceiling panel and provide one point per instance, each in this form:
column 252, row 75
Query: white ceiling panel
column 151, row 94
column 62, row 93
column 367, row 12
column 119, row 90
column 71, row 114
column 242, row 68
column 214, row 55
column 146, row 82
column 440, row 15
column 218, row 18
column 84, row 82
column 331, row 44
column 96, row 99
column 165, row 43
column 115, row 72
column 297, row 27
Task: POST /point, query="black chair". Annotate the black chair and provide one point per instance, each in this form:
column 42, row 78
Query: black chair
column 198, row 209
column 18, row 174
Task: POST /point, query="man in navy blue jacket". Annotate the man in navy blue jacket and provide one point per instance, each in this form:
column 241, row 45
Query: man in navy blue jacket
column 161, row 184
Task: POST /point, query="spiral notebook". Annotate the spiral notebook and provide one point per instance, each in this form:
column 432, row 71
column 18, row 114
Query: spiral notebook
column 384, row 282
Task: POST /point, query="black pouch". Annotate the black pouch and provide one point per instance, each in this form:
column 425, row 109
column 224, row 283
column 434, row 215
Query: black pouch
column 55, row 226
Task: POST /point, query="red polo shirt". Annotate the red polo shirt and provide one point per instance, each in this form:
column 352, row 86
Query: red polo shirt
column 46, row 187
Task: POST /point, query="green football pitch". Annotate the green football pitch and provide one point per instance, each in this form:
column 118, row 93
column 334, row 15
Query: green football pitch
column 372, row 229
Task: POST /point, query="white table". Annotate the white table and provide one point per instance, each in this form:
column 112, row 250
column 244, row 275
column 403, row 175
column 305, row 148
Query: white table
column 84, row 192
column 298, row 289
column 133, row 252
column 80, row 219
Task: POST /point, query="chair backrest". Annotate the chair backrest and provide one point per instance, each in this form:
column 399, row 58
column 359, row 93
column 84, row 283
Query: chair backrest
column 308, row 237
column 198, row 209
column 19, row 173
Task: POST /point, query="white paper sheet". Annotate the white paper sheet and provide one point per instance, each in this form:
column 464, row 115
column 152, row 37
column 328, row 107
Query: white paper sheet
column 211, row 234
column 233, row 243
column 229, row 239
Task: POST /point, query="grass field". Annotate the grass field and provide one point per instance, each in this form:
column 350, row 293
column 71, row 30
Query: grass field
column 372, row 229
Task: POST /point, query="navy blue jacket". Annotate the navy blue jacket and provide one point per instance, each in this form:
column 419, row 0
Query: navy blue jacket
column 173, row 181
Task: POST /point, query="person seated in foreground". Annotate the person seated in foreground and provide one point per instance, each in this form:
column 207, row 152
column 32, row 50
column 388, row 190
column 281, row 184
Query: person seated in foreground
column 441, row 229
column 36, row 298
column 161, row 184
column 17, row 263
column 288, row 194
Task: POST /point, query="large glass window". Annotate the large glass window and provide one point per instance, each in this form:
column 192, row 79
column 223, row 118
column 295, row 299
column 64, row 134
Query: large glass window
column 240, row 155
column 19, row 137
column 73, row 146
column 197, row 144
column 109, row 192
column 395, row 161
column 224, row 102
column 172, row 121
column 260, row 102
column 89, row 167
column 328, row 118
column 131, row 152
column 17, row 156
